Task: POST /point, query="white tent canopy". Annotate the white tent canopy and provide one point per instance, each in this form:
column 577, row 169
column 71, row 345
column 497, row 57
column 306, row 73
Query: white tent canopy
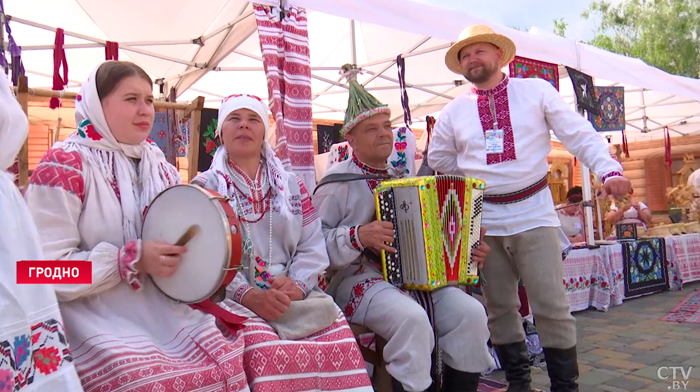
column 211, row 48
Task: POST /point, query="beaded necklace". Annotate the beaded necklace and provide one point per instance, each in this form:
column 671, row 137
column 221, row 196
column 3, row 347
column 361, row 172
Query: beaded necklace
column 261, row 274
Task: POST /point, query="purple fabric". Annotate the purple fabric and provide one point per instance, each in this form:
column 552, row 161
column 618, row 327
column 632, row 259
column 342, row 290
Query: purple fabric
column 15, row 52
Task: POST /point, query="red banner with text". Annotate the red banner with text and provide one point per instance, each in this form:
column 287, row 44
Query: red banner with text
column 54, row 272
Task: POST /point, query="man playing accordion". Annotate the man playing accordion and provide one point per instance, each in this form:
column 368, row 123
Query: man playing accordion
column 354, row 239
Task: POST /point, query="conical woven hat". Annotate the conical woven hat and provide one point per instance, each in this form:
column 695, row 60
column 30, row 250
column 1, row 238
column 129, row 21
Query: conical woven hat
column 361, row 104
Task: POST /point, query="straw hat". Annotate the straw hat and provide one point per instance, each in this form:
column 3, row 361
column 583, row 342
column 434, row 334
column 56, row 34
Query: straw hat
column 475, row 34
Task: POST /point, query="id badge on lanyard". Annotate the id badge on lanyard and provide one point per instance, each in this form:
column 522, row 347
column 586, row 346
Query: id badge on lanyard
column 494, row 136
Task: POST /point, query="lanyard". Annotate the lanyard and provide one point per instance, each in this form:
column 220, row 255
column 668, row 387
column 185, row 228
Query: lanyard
column 492, row 105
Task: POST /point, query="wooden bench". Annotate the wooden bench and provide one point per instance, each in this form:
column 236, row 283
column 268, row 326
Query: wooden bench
column 381, row 380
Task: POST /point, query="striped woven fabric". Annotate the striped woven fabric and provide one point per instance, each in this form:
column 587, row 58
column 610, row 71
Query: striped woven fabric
column 285, row 50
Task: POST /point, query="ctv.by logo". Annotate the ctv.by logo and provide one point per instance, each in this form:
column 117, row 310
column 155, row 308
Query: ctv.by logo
column 678, row 374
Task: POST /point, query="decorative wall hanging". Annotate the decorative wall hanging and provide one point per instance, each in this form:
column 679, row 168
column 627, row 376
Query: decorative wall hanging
column 160, row 133
column 284, row 44
column 522, row 67
column 327, row 136
column 611, row 103
column 182, row 140
column 208, row 142
column 644, row 265
column 584, row 90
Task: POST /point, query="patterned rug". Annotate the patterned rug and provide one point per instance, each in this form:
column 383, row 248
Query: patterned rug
column 644, row 265
column 687, row 311
column 488, row 385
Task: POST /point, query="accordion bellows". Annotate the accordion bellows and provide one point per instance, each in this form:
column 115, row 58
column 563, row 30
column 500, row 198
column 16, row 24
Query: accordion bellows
column 437, row 222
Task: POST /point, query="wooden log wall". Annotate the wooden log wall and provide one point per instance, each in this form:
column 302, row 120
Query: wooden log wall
column 647, row 170
column 634, row 170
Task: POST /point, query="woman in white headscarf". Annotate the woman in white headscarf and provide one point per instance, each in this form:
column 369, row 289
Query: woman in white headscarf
column 284, row 255
column 87, row 197
column 34, row 353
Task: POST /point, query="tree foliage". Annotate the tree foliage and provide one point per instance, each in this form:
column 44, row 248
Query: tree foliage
column 663, row 33
column 560, row 27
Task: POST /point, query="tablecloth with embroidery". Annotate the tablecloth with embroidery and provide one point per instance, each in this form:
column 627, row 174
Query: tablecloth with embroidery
column 588, row 278
column 683, row 259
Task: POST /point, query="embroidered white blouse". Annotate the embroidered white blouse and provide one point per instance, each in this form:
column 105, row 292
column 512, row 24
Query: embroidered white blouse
column 526, row 109
column 297, row 245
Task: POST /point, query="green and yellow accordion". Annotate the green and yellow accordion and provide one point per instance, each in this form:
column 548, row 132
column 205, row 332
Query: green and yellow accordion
column 437, row 223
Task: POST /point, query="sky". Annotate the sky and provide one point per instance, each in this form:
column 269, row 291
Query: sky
column 529, row 13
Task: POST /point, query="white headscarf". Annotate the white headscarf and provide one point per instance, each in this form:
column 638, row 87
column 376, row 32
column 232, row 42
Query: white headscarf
column 14, row 126
column 105, row 155
column 276, row 173
column 20, row 240
column 22, row 305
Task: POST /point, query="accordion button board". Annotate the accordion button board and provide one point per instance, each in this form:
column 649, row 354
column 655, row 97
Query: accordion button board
column 437, row 224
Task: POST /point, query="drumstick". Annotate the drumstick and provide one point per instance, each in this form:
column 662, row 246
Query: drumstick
column 188, row 235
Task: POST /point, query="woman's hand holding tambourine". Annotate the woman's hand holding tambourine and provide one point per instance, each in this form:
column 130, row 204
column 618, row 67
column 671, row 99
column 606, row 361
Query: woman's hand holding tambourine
column 160, row 258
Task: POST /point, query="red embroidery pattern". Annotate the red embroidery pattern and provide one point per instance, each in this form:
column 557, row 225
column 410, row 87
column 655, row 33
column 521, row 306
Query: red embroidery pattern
column 354, row 238
column 520, row 195
column 328, row 360
column 26, row 358
column 322, row 282
column 200, row 360
column 87, row 130
column 358, row 292
column 127, row 256
column 366, row 169
column 166, row 172
column 241, row 291
column 301, row 285
column 500, row 100
column 307, row 208
column 61, row 169
column 610, row 175
column 256, row 198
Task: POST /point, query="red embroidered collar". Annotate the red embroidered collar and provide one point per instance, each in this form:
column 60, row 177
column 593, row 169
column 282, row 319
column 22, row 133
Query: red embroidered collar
column 367, row 169
column 500, row 87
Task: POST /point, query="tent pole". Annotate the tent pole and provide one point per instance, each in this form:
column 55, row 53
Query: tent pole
column 23, row 156
column 96, row 45
column 587, row 197
column 99, row 41
column 382, row 88
column 409, row 85
column 205, row 38
column 406, row 55
column 353, row 43
column 425, row 103
column 392, row 63
column 256, row 69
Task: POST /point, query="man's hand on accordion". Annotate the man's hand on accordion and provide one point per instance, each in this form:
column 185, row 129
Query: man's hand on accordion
column 377, row 235
column 480, row 252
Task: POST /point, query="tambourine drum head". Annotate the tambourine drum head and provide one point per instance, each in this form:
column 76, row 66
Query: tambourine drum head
column 202, row 268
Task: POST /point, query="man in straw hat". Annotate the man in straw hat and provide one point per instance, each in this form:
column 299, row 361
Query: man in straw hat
column 499, row 132
column 354, row 238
